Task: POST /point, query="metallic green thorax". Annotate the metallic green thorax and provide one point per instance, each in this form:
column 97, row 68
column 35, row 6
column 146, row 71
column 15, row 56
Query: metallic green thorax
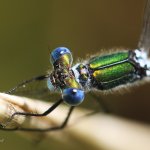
column 112, row 70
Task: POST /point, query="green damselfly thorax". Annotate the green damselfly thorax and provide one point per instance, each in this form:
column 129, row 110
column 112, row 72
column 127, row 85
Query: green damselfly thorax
column 115, row 70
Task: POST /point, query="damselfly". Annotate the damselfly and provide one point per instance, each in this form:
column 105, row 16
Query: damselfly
column 104, row 72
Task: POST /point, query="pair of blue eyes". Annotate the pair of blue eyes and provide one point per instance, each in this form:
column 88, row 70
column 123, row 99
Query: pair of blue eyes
column 71, row 96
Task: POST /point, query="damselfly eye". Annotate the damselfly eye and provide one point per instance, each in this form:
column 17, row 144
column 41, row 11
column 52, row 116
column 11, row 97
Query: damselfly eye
column 61, row 54
column 73, row 96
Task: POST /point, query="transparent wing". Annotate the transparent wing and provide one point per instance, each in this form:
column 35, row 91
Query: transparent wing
column 144, row 42
column 35, row 88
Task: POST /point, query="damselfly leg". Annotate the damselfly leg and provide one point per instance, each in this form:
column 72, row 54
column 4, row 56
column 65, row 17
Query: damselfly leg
column 29, row 114
column 64, row 123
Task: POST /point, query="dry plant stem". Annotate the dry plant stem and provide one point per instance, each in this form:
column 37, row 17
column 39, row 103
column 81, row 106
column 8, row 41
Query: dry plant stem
column 99, row 131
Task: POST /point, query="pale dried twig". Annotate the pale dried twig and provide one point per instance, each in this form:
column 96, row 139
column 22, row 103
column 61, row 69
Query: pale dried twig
column 97, row 131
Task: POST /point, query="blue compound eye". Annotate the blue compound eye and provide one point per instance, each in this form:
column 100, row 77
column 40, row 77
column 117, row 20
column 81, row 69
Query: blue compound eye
column 73, row 96
column 58, row 52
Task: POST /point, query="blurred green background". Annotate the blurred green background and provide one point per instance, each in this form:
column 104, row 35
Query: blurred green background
column 28, row 29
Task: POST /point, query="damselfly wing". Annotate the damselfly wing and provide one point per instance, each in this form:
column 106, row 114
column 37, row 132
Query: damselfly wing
column 144, row 42
column 35, row 88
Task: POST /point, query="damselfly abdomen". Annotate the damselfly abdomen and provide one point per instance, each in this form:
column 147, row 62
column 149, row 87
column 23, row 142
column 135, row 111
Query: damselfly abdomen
column 102, row 73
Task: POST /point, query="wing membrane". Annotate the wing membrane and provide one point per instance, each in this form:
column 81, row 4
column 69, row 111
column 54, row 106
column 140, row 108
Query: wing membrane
column 35, row 88
column 144, row 42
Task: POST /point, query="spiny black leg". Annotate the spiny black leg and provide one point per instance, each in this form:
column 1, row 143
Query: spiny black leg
column 52, row 128
column 32, row 114
column 101, row 103
column 64, row 123
column 38, row 78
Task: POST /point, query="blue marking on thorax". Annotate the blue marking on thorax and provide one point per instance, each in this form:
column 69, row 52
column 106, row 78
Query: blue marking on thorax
column 82, row 75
